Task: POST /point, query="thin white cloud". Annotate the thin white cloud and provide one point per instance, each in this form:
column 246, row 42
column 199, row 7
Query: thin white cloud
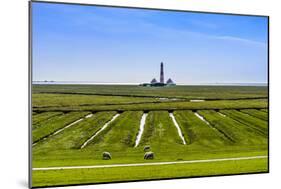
column 242, row 40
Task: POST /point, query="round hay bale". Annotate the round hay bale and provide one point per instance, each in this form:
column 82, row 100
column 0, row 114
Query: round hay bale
column 146, row 148
column 148, row 155
column 106, row 156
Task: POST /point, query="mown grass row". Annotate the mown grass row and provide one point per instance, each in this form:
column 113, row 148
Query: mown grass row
column 264, row 110
column 248, row 120
column 120, row 134
column 232, row 129
column 256, row 113
column 74, row 137
column 160, row 132
column 36, row 119
column 55, row 124
column 197, row 132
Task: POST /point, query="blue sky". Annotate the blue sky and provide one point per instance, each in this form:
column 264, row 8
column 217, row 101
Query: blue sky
column 101, row 44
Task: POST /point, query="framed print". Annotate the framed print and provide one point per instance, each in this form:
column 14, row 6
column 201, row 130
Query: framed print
column 121, row 94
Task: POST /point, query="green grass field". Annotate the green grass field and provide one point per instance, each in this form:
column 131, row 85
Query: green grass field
column 72, row 125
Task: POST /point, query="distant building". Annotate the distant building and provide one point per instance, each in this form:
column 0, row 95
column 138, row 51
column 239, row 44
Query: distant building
column 170, row 82
column 155, row 83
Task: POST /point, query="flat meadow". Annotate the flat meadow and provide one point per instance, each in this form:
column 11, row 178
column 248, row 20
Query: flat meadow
column 223, row 130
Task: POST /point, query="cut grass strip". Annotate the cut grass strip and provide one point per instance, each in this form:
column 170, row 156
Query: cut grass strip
column 178, row 128
column 99, row 131
column 120, row 134
column 56, row 124
column 248, row 120
column 238, row 132
column 256, row 113
column 221, row 114
column 43, row 117
column 74, row 137
column 197, row 131
column 217, row 129
column 160, row 132
column 264, row 110
column 141, row 129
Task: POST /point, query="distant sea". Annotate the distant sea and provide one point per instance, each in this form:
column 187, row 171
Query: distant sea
column 108, row 83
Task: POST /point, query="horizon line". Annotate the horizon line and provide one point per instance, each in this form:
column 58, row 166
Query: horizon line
column 128, row 83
